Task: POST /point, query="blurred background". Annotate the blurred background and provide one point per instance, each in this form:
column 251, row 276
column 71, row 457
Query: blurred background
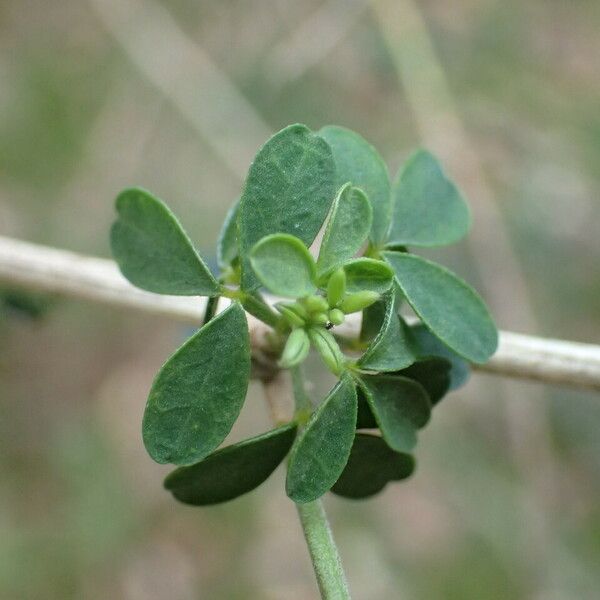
column 177, row 96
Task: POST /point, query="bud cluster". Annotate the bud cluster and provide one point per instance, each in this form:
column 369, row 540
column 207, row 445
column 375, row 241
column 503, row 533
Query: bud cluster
column 311, row 317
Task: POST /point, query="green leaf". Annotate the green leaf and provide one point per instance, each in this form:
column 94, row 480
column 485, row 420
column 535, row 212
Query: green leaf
column 433, row 374
column 289, row 189
column 153, row 251
column 430, row 346
column 364, row 416
column 372, row 464
column 322, row 449
column 400, row 407
column 374, row 315
column 284, row 265
column 198, row 394
column 447, row 305
column 347, row 229
column 428, row 208
column 392, row 349
column 232, row 471
column 368, row 274
column 372, row 320
column 227, row 247
column 359, row 163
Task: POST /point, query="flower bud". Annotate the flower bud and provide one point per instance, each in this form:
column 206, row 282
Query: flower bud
column 295, row 350
column 328, row 348
column 290, row 316
column 336, row 316
column 320, row 319
column 336, row 287
column 358, row 301
column 299, row 310
column 315, row 304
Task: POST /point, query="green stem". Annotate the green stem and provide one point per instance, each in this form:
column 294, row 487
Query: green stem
column 317, row 532
column 323, row 551
column 211, row 308
column 302, row 404
column 255, row 305
column 260, row 310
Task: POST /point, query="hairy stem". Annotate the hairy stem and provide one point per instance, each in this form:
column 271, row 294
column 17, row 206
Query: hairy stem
column 302, row 405
column 259, row 309
column 317, row 532
column 253, row 304
column 323, row 551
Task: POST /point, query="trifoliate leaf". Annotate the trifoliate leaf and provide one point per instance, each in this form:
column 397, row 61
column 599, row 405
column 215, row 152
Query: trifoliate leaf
column 322, row 448
column 372, row 464
column 233, row 470
column 400, row 407
column 153, row 251
column 284, row 265
column 359, row 163
column 347, row 229
column 289, row 189
column 198, row 394
column 428, row 208
column 447, row 305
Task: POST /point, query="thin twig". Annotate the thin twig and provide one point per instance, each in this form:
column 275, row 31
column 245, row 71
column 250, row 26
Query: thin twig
column 322, row 548
column 42, row 269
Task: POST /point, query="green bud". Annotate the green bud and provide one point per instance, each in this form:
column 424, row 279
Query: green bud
column 295, row 350
column 315, row 304
column 336, row 316
column 290, row 316
column 328, row 348
column 299, row 310
column 358, row 301
column 320, row 319
column 336, row 287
